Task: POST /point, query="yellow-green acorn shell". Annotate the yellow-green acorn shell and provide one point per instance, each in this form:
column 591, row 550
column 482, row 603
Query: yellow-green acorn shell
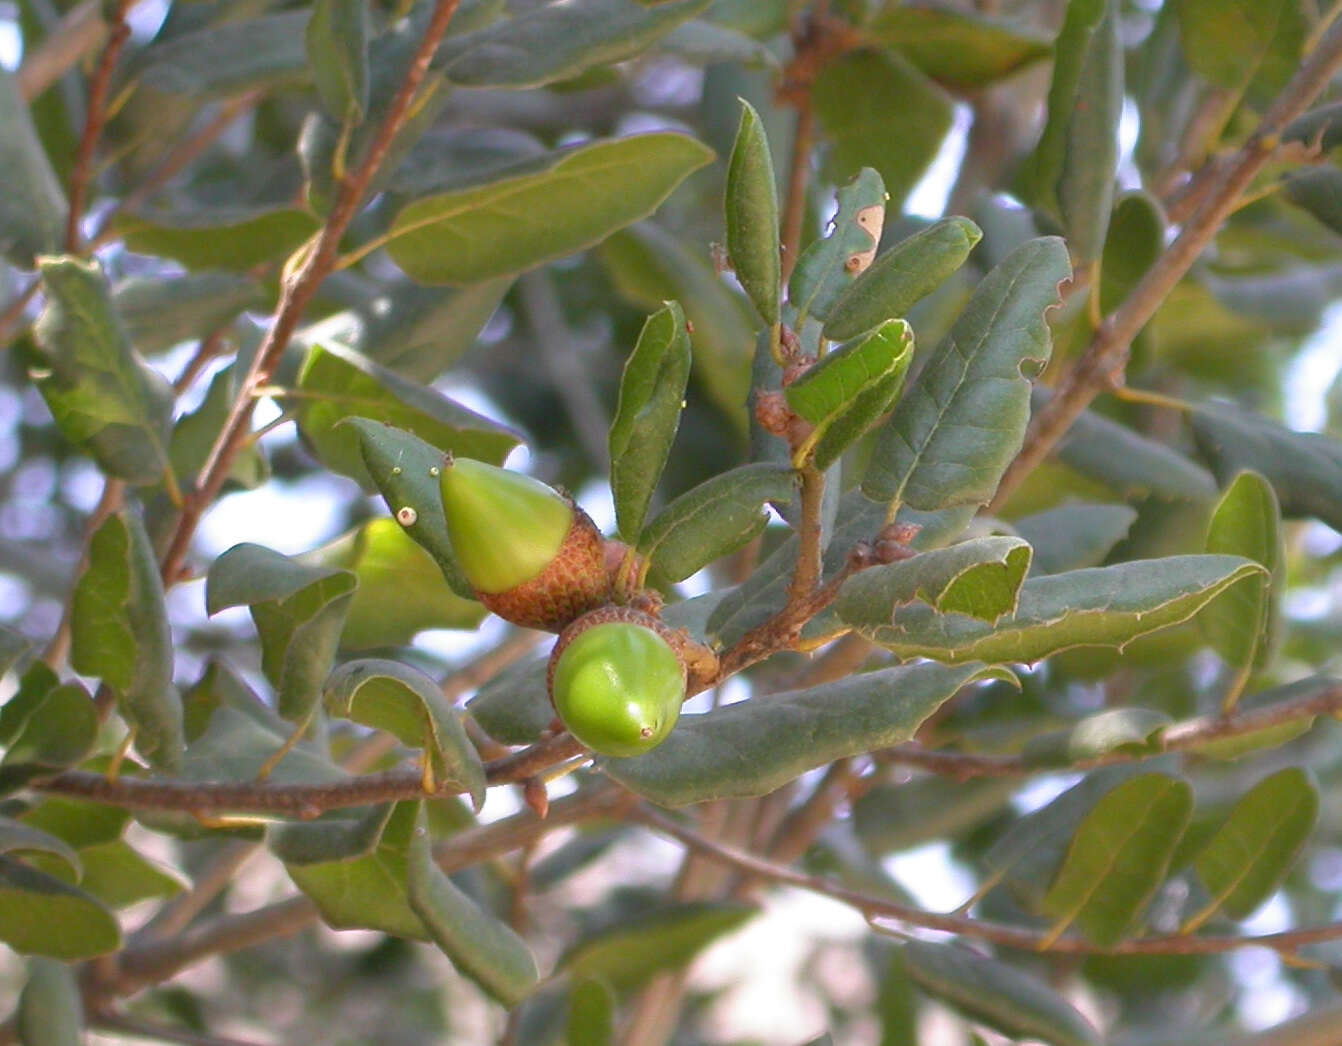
column 532, row 556
column 617, row 686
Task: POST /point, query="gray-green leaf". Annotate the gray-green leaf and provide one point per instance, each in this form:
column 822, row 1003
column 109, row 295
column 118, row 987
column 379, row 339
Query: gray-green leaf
column 1103, row 606
column 752, row 216
column 560, row 204
column 102, row 395
column 32, row 207
column 962, row 421
column 1000, row 996
column 337, row 50
column 901, row 277
column 753, row 747
column 298, row 610
column 652, row 391
column 119, row 632
column 716, row 517
column 388, row 695
column 829, row 265
column 486, row 950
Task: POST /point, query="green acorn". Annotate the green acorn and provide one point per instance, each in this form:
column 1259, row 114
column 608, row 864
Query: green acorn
column 533, row 556
column 616, row 681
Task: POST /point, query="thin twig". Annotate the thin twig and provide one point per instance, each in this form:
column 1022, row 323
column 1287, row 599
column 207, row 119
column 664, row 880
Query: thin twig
column 799, row 174
column 1107, row 354
column 96, row 118
column 1186, row 736
column 11, row 317
column 299, row 287
column 1001, row 934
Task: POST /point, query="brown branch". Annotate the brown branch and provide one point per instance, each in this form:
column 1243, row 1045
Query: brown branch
column 298, row 289
column 94, row 121
column 1002, row 934
column 1107, row 354
column 11, row 317
column 1185, row 736
column 799, row 173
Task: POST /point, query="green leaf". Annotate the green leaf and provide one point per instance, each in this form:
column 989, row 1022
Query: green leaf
column 828, row 266
column 1135, row 730
column 652, row 392
column 405, row 470
column 241, row 735
column 234, row 238
column 514, row 706
column 425, row 330
column 964, row 51
column 963, row 420
column 591, row 1013
column 263, row 52
column 1316, row 190
column 1135, row 239
column 47, row 725
column 194, row 434
column 577, row 198
column 119, row 632
column 17, row 837
column 483, row 948
column 51, row 1009
column 752, row 216
column 32, row 207
column 850, row 389
column 1243, row 44
column 1253, row 850
column 41, row 915
column 1075, row 535
column 1118, row 857
column 338, row 835
column 879, row 111
column 369, row 892
column 753, row 747
column 1072, row 173
column 1000, row 996
column 1321, row 125
column 1104, row 606
column 401, row 591
column 1028, row 855
column 159, row 312
column 298, row 610
column 1242, row 626
column 665, row 939
column 902, row 276
column 337, row 50
column 558, row 41
column 102, row 395
column 981, row 577
column 118, row 875
column 1304, row 468
column 649, row 266
column 1130, row 464
column 716, row 517
column 406, row 703
column 338, row 383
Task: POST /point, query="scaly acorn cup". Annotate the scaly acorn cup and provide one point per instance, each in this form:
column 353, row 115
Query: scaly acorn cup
column 533, row 556
column 616, row 681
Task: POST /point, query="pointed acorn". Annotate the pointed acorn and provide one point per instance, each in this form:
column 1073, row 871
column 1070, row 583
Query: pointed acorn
column 533, row 556
column 616, row 681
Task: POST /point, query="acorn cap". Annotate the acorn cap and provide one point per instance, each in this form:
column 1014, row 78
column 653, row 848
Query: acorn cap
column 616, row 682
column 532, row 556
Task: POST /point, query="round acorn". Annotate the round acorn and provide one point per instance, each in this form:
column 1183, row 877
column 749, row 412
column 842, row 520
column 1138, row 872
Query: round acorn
column 616, row 681
column 533, row 556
